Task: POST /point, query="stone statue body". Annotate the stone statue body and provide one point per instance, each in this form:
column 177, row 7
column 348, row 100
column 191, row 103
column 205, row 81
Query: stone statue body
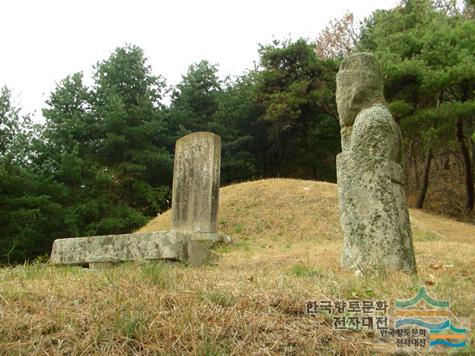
column 372, row 201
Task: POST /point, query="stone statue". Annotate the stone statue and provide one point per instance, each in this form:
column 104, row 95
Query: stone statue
column 372, row 201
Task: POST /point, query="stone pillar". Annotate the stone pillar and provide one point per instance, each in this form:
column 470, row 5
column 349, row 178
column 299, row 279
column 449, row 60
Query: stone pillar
column 372, row 201
column 196, row 177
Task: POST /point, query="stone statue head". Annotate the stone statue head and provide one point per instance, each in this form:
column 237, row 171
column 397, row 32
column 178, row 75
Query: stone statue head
column 359, row 84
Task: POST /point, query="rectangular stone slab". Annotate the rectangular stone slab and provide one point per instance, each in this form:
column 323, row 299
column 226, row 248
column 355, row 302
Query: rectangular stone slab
column 196, row 177
column 121, row 248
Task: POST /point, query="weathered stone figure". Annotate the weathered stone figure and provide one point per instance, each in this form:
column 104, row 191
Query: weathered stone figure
column 372, row 202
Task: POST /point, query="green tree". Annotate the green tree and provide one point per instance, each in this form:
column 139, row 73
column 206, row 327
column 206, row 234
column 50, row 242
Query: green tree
column 106, row 145
column 195, row 100
column 296, row 97
column 127, row 104
column 71, row 138
column 14, row 128
column 31, row 216
column 244, row 138
column 204, row 102
column 427, row 51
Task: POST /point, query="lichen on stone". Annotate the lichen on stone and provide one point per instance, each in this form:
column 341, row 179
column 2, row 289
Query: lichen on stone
column 372, row 202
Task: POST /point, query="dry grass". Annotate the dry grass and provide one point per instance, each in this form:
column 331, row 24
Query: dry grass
column 249, row 301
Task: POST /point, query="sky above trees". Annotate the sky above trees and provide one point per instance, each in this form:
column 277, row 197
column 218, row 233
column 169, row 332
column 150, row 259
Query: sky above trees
column 44, row 41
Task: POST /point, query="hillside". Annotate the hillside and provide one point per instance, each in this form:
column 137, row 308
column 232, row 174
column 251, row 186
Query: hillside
column 250, row 300
column 285, row 209
column 293, row 210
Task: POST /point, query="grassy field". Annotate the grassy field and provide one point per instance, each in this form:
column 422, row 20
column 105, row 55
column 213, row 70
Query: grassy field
column 250, row 300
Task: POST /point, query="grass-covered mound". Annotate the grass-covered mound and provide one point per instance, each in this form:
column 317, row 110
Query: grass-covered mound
column 288, row 210
column 249, row 301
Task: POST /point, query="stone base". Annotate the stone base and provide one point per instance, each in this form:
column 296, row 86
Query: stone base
column 105, row 251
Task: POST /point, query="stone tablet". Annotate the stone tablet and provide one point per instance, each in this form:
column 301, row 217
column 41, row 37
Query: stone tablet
column 372, row 201
column 196, row 183
column 194, row 217
column 102, row 251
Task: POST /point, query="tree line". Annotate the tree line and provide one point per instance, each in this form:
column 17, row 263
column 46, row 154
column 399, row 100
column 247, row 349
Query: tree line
column 102, row 161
